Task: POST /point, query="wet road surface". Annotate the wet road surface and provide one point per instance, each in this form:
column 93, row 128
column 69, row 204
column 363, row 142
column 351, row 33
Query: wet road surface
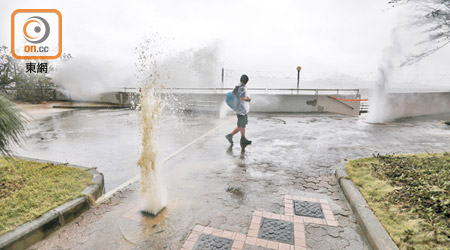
column 106, row 139
column 213, row 184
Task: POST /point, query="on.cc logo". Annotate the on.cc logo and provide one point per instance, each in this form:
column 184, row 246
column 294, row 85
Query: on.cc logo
column 40, row 28
column 36, row 34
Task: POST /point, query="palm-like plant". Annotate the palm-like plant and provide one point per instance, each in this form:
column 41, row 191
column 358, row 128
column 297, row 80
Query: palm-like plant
column 11, row 125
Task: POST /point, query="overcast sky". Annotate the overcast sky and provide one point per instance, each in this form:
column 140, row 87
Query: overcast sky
column 322, row 36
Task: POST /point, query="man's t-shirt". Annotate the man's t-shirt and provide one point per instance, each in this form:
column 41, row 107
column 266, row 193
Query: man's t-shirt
column 243, row 107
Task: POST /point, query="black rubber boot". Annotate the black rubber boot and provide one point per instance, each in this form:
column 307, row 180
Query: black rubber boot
column 229, row 138
column 245, row 141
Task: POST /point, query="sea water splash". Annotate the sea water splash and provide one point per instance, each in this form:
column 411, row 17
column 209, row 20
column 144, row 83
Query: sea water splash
column 153, row 193
column 158, row 68
column 224, row 110
column 380, row 109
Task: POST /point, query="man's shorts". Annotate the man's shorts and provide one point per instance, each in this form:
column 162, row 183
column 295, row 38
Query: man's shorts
column 242, row 121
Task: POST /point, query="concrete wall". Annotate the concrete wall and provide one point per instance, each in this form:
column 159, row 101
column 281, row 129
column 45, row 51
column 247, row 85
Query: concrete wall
column 116, row 97
column 416, row 104
column 330, row 105
column 397, row 105
column 272, row 103
column 284, row 103
column 260, row 102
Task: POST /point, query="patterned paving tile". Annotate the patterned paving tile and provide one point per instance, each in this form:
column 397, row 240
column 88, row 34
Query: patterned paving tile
column 268, row 230
column 308, row 209
column 202, row 237
column 327, row 219
column 211, row 242
column 276, row 230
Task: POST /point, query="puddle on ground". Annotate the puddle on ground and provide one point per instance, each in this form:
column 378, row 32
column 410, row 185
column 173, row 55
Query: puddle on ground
column 278, row 142
column 259, row 174
column 142, row 230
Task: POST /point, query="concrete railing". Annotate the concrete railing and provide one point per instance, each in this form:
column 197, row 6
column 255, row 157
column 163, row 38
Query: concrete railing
column 282, row 91
column 263, row 100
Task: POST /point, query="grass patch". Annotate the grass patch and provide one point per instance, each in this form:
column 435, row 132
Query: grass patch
column 28, row 189
column 410, row 195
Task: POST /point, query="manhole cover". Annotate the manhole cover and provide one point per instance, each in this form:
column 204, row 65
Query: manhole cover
column 309, row 209
column 277, row 230
column 211, row 242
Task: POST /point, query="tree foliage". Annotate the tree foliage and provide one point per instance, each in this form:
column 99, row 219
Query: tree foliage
column 11, row 70
column 30, row 87
column 432, row 18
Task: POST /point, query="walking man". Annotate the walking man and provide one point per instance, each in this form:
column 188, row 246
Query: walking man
column 241, row 92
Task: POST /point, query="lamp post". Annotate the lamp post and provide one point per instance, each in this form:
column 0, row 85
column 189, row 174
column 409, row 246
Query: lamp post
column 298, row 77
column 223, row 74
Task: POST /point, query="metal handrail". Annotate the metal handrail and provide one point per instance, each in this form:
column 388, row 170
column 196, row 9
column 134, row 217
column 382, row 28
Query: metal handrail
column 348, row 106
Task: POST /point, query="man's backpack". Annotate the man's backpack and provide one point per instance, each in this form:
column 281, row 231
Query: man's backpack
column 232, row 99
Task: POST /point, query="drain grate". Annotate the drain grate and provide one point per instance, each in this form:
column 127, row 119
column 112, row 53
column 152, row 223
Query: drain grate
column 211, row 242
column 309, row 209
column 277, row 230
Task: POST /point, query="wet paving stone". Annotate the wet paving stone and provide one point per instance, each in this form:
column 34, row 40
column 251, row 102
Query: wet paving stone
column 211, row 242
column 235, row 182
column 277, row 230
column 309, row 209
